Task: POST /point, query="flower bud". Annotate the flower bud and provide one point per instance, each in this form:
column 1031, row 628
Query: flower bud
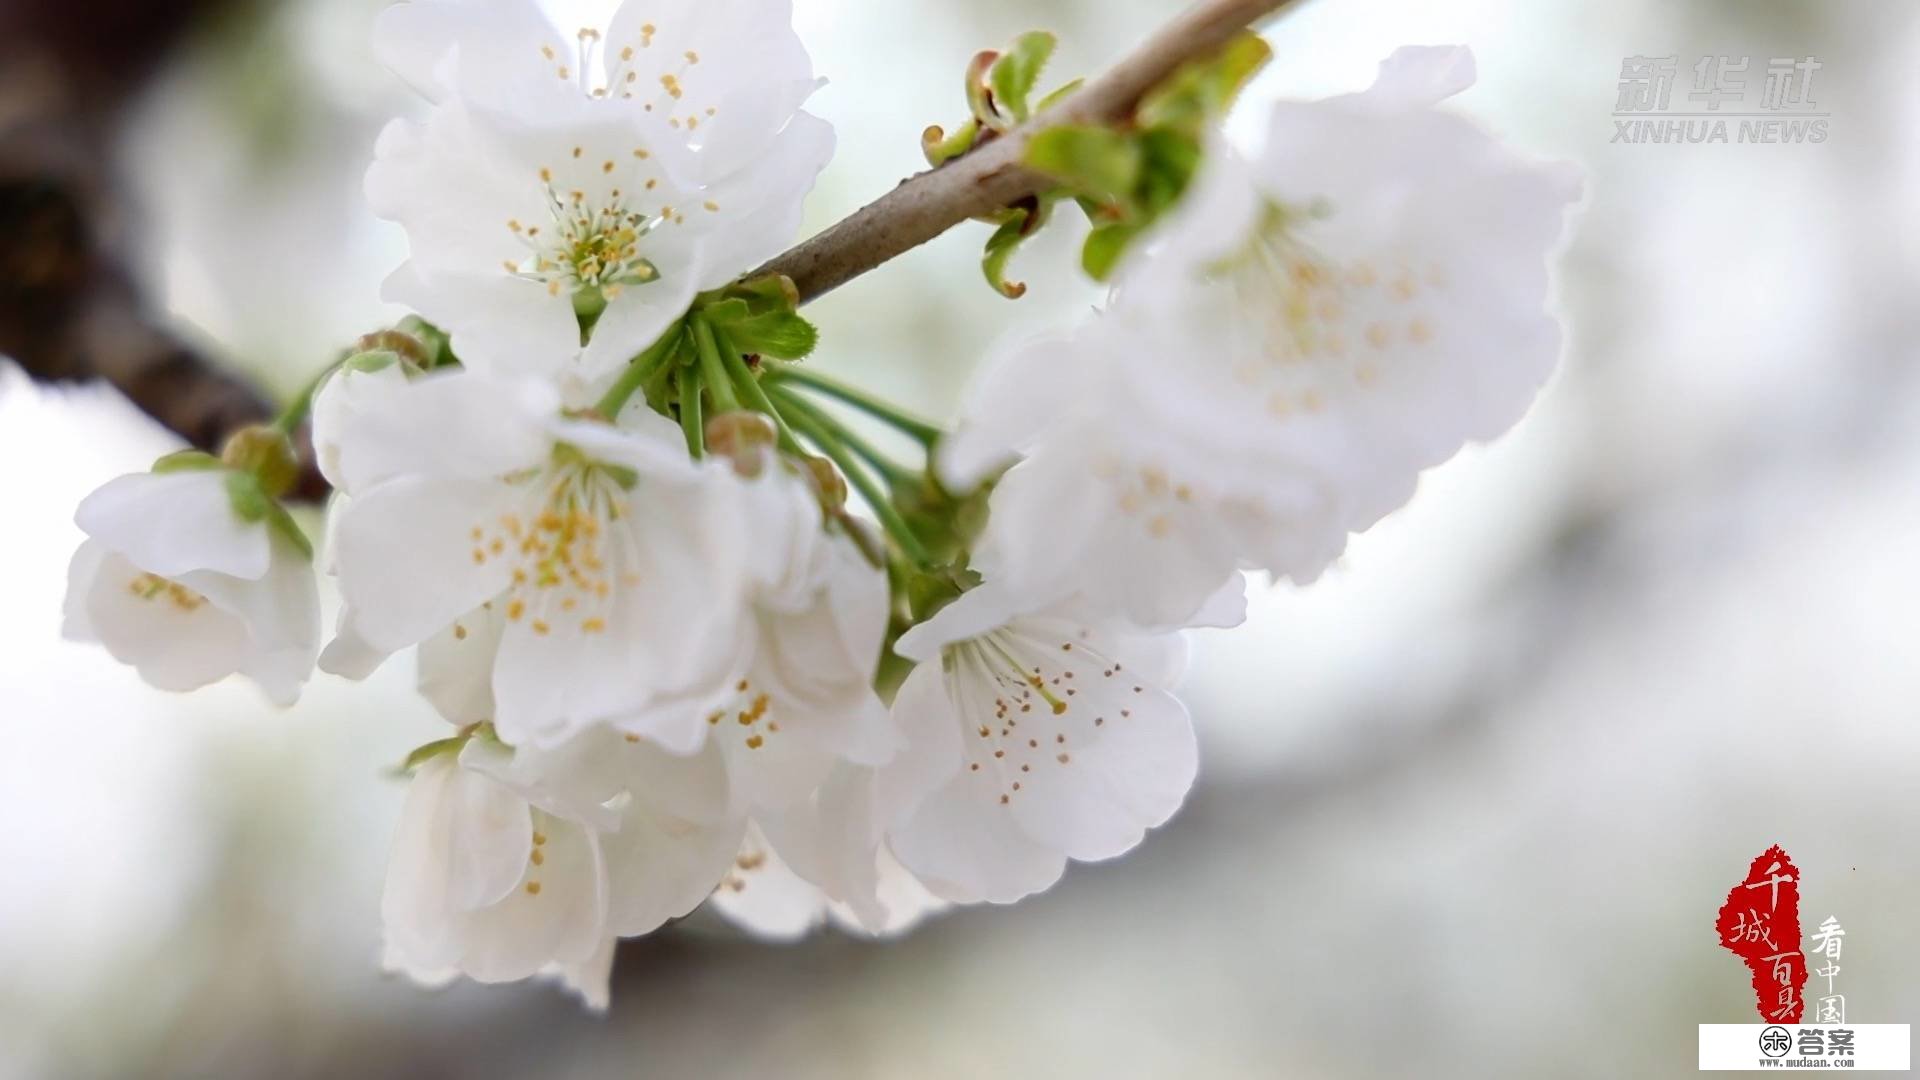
column 826, row 480
column 267, row 455
column 401, row 344
column 745, row 438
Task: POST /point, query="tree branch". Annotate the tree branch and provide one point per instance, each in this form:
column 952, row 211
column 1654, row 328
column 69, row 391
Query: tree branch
column 991, row 176
column 70, row 310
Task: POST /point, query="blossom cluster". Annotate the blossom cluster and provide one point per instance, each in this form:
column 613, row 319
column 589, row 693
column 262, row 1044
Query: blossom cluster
column 613, row 527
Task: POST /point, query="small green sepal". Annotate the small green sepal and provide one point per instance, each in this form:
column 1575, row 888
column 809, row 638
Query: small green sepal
column 185, row 461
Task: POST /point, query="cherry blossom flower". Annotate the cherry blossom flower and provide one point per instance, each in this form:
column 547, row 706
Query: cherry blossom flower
column 1033, row 738
column 1387, row 262
column 174, row 581
column 615, row 563
column 1294, row 344
column 798, row 695
column 1119, row 508
column 514, row 863
column 666, row 833
column 580, row 179
column 486, row 884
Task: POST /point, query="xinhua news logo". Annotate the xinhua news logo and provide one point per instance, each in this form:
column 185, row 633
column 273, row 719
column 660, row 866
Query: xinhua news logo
column 1728, row 99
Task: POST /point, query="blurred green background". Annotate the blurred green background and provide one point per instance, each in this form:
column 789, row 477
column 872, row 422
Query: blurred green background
column 1467, row 807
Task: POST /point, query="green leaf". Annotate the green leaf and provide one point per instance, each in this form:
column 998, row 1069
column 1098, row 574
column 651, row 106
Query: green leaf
column 760, row 316
column 731, row 310
column 1014, row 73
column 1201, row 90
column 1095, row 161
column 186, row 461
column 1170, row 160
column 1104, row 246
column 783, row 335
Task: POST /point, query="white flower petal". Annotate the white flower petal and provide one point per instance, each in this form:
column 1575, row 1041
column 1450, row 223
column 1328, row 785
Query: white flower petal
column 489, row 834
column 925, row 714
column 556, row 913
column 420, row 937
column 171, row 523
column 75, row 623
column 281, row 612
column 497, row 324
column 635, row 319
column 405, row 555
column 974, row 613
column 348, row 655
column 172, row 636
column 1015, row 398
column 661, row 868
column 338, row 443
column 1420, row 76
column 756, row 213
column 589, row 978
column 460, row 423
column 477, row 47
column 456, row 666
column 762, row 895
column 965, row 853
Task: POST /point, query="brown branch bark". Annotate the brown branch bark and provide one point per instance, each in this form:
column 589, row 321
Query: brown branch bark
column 70, row 310
column 991, row 176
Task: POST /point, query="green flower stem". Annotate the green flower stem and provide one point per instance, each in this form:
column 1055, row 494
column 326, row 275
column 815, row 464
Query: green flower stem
column 637, row 372
column 749, row 386
column 891, row 470
column 882, row 507
column 712, row 372
column 302, row 403
column 687, row 389
column 922, row 431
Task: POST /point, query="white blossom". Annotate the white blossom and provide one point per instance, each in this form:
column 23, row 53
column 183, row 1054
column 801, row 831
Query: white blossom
column 1118, row 507
column 614, row 562
column 667, row 832
column 173, row 581
column 513, row 863
column 798, row 695
column 557, row 172
column 1033, row 738
column 486, row 884
column 1308, row 331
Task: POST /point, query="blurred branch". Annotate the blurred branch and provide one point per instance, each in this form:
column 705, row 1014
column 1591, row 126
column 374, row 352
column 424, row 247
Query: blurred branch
column 991, row 176
column 70, row 310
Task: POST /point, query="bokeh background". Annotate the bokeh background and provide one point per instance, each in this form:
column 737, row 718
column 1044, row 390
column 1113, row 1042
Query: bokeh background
column 1467, row 806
